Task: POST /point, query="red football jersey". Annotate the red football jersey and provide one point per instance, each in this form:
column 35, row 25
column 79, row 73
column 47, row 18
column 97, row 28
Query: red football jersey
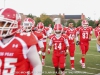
column 46, row 28
column 71, row 34
column 84, row 34
column 51, row 36
column 39, row 35
column 91, row 28
column 44, row 31
column 65, row 28
column 78, row 28
column 97, row 31
column 13, row 58
column 58, row 43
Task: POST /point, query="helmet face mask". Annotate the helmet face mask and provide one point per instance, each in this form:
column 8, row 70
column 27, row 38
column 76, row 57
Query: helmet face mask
column 85, row 24
column 58, row 29
column 9, row 25
column 58, row 33
column 71, row 25
column 28, row 24
column 40, row 30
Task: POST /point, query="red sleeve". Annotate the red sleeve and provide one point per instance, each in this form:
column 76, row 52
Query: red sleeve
column 77, row 29
column 51, row 36
column 91, row 28
column 46, row 28
column 95, row 32
column 65, row 36
column 28, row 38
column 65, row 28
column 38, row 34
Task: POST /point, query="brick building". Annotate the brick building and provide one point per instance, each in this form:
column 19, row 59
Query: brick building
column 67, row 17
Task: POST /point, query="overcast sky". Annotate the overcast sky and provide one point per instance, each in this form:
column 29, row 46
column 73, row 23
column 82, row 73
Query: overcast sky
column 91, row 8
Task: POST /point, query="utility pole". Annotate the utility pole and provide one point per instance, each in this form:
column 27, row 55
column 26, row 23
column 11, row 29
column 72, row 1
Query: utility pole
column 4, row 3
column 94, row 15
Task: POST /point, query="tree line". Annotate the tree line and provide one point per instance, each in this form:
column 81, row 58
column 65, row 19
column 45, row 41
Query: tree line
column 47, row 20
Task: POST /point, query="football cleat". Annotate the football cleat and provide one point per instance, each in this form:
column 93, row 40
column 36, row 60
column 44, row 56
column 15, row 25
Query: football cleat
column 83, row 65
column 72, row 68
column 63, row 73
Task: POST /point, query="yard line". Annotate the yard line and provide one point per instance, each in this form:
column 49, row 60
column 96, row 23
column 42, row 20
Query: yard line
column 77, row 72
column 98, row 64
column 93, row 39
column 97, row 74
column 93, row 68
column 89, row 54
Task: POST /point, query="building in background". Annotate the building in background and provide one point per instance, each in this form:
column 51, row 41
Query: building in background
column 67, row 17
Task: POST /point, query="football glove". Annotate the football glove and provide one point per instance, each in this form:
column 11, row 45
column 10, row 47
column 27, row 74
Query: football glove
column 77, row 42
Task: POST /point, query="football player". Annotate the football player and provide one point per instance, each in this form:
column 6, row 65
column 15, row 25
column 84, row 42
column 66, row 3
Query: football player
column 71, row 32
column 29, row 26
column 43, row 29
column 97, row 33
column 85, row 35
column 50, row 30
column 58, row 41
column 16, row 50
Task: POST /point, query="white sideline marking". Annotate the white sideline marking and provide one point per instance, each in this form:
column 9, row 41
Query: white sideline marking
column 97, row 74
column 93, row 68
column 89, row 54
column 73, row 71
column 93, row 39
column 98, row 64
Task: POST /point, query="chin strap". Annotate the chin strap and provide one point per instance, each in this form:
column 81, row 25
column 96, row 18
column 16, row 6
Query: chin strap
column 7, row 36
column 58, row 35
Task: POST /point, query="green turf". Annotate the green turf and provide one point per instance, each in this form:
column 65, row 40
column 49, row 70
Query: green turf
column 92, row 62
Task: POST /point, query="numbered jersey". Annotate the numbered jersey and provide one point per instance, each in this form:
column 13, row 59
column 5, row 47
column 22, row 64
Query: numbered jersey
column 78, row 28
column 13, row 55
column 84, row 34
column 39, row 35
column 58, row 43
column 65, row 29
column 44, row 32
column 97, row 31
column 71, row 34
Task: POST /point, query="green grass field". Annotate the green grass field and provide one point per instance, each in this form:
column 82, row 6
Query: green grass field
column 92, row 62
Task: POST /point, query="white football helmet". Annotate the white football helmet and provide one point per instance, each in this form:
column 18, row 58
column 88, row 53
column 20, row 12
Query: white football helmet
column 9, row 22
column 28, row 24
column 85, row 23
column 40, row 26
